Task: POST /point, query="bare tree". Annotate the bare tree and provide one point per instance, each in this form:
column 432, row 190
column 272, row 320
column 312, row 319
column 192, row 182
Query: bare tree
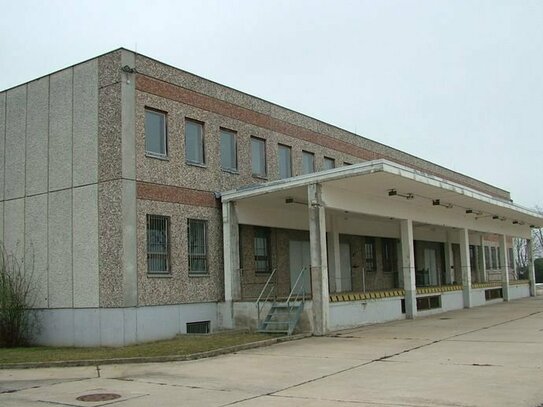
column 537, row 237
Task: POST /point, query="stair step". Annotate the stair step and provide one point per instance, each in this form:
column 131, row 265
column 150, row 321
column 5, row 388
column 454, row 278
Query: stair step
column 273, row 331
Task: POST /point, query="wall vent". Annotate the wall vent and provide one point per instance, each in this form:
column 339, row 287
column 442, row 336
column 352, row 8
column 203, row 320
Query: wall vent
column 426, row 303
column 493, row 294
column 201, row 327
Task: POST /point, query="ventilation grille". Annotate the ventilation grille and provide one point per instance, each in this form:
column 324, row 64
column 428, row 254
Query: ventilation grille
column 201, row 327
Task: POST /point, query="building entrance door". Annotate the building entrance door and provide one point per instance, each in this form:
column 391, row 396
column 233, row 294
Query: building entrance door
column 300, row 258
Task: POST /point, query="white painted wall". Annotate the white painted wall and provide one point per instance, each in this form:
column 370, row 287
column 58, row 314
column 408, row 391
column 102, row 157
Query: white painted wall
column 120, row 326
column 517, row 291
column 350, row 314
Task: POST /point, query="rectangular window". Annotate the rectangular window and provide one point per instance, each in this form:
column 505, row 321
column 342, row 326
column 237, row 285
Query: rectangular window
column 158, row 258
column 488, row 264
column 499, row 257
column 390, row 258
column 229, row 154
column 197, row 242
column 285, row 162
column 494, row 258
column 262, row 255
column 329, row 163
column 194, row 142
column 369, row 254
column 308, row 162
column 155, row 133
column 472, row 258
column 258, row 156
column 511, row 259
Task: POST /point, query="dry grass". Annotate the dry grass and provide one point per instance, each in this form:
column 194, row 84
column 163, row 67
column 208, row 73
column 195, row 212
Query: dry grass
column 181, row 345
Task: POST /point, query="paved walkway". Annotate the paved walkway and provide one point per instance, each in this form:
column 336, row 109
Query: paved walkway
column 487, row 356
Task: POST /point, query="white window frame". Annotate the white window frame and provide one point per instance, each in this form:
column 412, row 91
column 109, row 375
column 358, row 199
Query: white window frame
column 201, row 143
column 263, row 170
column 164, row 134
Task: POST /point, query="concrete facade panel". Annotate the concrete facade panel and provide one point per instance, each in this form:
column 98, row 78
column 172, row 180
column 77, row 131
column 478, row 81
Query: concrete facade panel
column 85, row 246
column 2, row 221
column 86, row 327
column 111, row 326
column 2, row 141
column 14, row 227
column 59, row 232
column 14, row 153
column 110, row 133
column 154, row 323
column 37, row 136
column 60, row 130
column 85, row 124
column 451, row 301
column 478, row 297
column 519, row 291
column 36, row 246
column 57, row 327
column 120, row 326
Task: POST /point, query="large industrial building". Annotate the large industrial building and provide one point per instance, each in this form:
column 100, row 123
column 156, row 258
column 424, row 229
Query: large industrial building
column 146, row 201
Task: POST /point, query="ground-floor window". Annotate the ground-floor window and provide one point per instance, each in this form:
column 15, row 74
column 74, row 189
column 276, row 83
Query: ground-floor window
column 197, row 246
column 369, row 254
column 158, row 259
column 261, row 246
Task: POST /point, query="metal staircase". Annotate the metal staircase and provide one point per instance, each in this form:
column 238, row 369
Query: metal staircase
column 282, row 316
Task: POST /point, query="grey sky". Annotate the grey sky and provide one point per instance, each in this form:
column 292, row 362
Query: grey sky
column 459, row 83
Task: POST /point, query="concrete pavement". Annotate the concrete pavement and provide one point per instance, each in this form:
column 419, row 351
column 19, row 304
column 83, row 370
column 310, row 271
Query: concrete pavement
column 486, row 356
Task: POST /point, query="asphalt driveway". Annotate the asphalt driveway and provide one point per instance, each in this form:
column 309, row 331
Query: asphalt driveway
column 486, row 356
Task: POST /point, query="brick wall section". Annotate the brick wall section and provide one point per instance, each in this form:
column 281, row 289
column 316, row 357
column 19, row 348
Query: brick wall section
column 204, row 102
column 179, row 195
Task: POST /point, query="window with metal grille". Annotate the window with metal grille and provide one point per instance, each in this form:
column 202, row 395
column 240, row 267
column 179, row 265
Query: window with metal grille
column 285, row 162
column 158, row 251
column 390, row 256
column 258, row 156
column 197, row 242
column 261, row 243
column 488, row 264
column 229, row 155
column 194, row 142
column 308, row 162
column 473, row 258
column 494, row 258
column 200, row 327
column 155, row 133
column 369, row 252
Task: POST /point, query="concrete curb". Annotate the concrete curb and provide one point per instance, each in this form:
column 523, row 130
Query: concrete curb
column 156, row 359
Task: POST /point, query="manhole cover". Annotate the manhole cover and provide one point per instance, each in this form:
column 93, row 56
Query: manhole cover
column 99, row 397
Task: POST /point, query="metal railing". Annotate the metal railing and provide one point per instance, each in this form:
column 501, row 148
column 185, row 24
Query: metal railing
column 298, row 292
column 268, row 291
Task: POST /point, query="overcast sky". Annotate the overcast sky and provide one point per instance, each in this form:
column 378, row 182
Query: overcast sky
column 459, row 83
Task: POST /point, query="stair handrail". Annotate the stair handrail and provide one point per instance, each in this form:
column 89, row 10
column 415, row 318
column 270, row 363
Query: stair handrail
column 295, row 290
column 268, row 295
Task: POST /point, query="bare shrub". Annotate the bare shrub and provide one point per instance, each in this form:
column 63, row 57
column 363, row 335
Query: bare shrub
column 18, row 323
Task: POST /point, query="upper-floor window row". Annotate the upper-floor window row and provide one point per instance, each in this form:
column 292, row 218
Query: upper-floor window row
column 156, row 145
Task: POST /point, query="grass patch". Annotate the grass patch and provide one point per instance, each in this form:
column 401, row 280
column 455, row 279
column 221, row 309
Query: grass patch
column 180, row 345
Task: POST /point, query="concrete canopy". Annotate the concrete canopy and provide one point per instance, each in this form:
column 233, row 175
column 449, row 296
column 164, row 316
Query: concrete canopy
column 365, row 188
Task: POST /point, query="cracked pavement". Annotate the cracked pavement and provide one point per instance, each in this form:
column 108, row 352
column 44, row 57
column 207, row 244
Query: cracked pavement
column 486, row 356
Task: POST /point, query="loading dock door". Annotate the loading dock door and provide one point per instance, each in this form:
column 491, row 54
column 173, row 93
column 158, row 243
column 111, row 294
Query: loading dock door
column 300, row 257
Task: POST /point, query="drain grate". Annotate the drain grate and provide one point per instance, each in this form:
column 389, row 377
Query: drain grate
column 99, row 397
